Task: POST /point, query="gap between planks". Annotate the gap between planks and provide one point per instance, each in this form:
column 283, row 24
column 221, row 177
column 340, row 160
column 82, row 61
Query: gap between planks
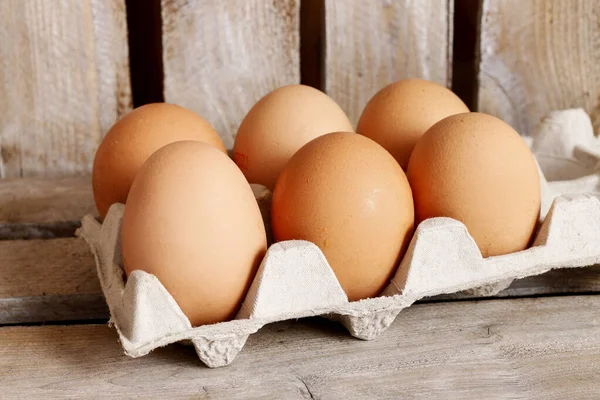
column 465, row 54
column 144, row 25
column 522, row 349
column 312, row 43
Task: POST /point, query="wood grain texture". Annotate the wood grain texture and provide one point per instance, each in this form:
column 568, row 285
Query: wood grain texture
column 48, row 280
column 519, row 349
column 371, row 44
column 59, row 266
column 538, row 56
column 45, row 200
column 63, row 81
column 44, row 208
column 221, row 56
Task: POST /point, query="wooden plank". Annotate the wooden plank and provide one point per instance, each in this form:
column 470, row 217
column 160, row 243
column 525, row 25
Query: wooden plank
column 44, row 208
column 47, row 267
column 64, row 81
column 529, row 348
column 539, row 56
column 48, row 280
column 221, row 56
column 55, row 280
column 371, row 44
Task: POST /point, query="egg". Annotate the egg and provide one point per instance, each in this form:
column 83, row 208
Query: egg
column 400, row 113
column 191, row 220
column 347, row 194
column 476, row 169
column 132, row 139
column 278, row 125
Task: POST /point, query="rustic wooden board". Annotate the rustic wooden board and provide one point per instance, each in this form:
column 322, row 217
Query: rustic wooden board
column 64, row 81
column 55, row 280
column 44, row 208
column 524, row 349
column 48, row 280
column 221, row 56
column 370, row 44
column 538, row 56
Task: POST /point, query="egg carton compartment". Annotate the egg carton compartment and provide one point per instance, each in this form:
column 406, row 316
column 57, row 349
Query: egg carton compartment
column 295, row 280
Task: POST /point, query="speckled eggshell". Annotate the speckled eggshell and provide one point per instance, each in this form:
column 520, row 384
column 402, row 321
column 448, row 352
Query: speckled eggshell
column 346, row 194
column 133, row 138
column 278, row 125
column 476, row 169
column 191, row 219
column 400, row 113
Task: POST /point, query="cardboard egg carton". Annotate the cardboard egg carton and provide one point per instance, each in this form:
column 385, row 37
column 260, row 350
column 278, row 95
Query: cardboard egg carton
column 295, row 280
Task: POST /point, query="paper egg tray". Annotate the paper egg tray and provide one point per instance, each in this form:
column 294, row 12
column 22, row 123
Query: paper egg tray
column 295, row 280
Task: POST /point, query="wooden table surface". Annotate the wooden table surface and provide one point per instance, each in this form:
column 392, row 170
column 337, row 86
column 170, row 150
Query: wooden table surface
column 540, row 338
column 546, row 348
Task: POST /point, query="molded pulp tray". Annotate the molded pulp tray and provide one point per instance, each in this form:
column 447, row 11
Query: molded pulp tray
column 295, row 280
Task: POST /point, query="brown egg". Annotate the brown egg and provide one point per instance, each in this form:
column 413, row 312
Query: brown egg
column 346, row 194
column 476, row 169
column 133, row 138
column 400, row 113
column 191, row 219
column 278, row 125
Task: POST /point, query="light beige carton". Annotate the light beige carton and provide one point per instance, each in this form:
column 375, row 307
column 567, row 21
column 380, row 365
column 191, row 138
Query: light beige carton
column 295, row 280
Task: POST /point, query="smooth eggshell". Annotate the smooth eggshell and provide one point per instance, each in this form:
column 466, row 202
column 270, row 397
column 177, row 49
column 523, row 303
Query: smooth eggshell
column 133, row 138
column 192, row 220
column 346, row 194
column 278, row 125
column 476, row 169
column 400, row 113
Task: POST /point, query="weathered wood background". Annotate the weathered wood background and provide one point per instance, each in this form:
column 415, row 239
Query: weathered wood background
column 66, row 74
column 539, row 56
column 371, row 44
column 68, row 78
column 210, row 60
column 64, row 80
